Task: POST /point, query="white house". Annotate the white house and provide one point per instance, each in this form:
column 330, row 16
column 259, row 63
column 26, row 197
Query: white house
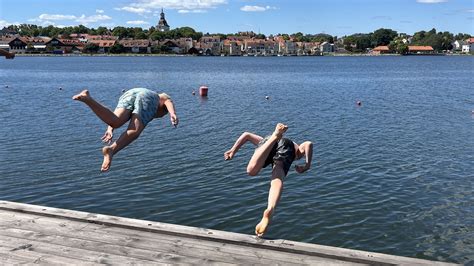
column 457, row 45
column 327, row 47
column 468, row 47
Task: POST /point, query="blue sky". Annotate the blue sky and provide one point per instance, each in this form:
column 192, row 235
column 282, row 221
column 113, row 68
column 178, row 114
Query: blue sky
column 336, row 17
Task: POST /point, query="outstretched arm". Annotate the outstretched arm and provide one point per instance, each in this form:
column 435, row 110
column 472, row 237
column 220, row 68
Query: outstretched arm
column 170, row 106
column 305, row 148
column 246, row 136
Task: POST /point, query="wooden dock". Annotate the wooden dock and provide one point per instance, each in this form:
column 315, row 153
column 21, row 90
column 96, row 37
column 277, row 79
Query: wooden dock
column 35, row 234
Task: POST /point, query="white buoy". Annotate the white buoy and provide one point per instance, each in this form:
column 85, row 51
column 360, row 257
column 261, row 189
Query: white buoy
column 267, row 97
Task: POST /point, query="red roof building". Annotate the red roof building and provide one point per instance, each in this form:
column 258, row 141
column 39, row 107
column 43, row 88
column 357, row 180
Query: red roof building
column 419, row 49
column 381, row 50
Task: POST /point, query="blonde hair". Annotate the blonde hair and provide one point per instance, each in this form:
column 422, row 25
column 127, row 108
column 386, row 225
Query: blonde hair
column 164, row 96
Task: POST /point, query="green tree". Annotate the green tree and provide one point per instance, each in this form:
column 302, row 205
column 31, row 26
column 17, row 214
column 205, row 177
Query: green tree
column 358, row 43
column 383, row 36
column 140, row 35
column 121, row 32
column 117, row 48
column 462, row 36
column 102, row 31
column 440, row 41
column 298, row 37
column 402, row 49
column 157, row 35
column 91, row 48
column 322, row 37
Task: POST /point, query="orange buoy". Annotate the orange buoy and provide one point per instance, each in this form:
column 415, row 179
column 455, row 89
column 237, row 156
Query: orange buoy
column 203, row 91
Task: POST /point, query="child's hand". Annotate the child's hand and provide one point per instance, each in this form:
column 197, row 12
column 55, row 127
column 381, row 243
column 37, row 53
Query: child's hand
column 108, row 135
column 228, row 155
column 301, row 168
column 174, row 120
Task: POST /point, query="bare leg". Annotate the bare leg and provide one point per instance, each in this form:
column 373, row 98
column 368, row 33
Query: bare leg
column 133, row 131
column 276, row 187
column 104, row 113
column 260, row 155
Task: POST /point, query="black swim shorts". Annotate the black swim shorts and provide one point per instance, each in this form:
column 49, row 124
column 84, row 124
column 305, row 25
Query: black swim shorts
column 283, row 150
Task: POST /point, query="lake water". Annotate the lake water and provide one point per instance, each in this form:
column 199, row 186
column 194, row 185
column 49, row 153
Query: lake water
column 395, row 175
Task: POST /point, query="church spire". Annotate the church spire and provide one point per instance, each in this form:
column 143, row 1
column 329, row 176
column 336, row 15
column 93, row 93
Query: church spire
column 162, row 24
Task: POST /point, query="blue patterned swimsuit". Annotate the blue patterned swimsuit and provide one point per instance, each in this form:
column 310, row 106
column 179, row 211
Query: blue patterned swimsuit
column 140, row 101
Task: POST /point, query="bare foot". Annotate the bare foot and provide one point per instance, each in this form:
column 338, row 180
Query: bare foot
column 82, row 96
column 279, row 130
column 228, row 155
column 108, row 154
column 261, row 227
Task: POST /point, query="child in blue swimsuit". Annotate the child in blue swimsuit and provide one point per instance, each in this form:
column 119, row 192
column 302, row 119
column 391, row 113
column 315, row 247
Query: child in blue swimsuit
column 139, row 106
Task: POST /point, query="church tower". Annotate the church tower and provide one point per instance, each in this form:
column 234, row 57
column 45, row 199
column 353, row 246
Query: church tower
column 162, row 24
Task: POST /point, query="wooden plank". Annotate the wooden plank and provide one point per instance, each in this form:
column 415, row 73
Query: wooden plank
column 58, row 249
column 144, row 240
column 8, row 259
column 95, row 251
column 8, row 249
column 289, row 247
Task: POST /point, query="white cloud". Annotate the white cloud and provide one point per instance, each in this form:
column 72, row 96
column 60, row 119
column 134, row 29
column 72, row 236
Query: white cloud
column 4, row 23
column 99, row 11
column 256, row 8
column 136, row 10
column 146, row 6
column 185, row 11
column 137, row 22
column 91, row 19
column 44, row 17
column 431, row 1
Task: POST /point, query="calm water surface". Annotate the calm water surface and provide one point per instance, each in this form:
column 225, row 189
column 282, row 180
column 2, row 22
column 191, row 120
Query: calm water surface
column 395, row 175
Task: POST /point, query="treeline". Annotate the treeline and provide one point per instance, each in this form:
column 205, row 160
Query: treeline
column 357, row 43
column 121, row 32
column 440, row 41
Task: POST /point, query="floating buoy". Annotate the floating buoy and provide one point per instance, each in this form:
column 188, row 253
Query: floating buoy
column 203, row 91
column 359, row 103
column 123, row 90
column 267, row 97
column 6, row 86
column 194, row 93
column 60, row 88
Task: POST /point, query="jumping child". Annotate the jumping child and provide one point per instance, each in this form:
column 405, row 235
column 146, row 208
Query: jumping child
column 139, row 106
column 278, row 151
